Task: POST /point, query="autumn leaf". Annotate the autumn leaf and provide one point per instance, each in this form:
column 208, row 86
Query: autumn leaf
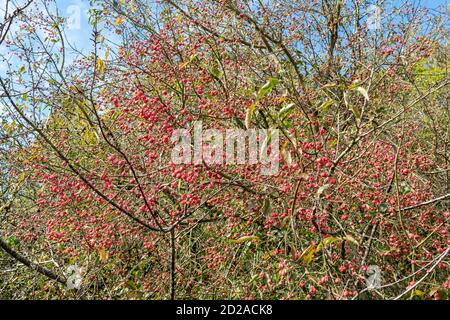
column 245, row 239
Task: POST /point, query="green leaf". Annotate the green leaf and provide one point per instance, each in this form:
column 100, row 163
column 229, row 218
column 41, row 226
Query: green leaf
column 356, row 112
column 266, row 207
column 322, row 189
column 22, row 69
column 383, row 207
column 13, row 241
column 405, row 188
column 325, row 106
column 261, row 94
column 286, row 109
column 270, row 84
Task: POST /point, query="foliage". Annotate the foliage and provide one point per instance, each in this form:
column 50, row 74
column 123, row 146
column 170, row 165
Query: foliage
column 364, row 166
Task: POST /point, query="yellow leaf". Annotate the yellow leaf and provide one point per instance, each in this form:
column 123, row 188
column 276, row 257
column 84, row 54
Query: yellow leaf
column 191, row 58
column 118, row 21
column 245, row 239
column 329, row 85
column 107, row 54
column 308, row 255
column 103, row 255
column 100, row 66
column 325, row 106
column 281, row 99
column 249, row 115
column 418, row 293
column 329, row 240
column 21, row 178
column 269, row 254
column 350, row 239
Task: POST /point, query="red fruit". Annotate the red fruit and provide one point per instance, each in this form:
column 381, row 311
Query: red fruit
column 312, row 290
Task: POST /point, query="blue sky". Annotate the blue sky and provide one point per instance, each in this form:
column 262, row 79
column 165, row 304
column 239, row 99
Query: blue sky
column 79, row 32
column 79, row 35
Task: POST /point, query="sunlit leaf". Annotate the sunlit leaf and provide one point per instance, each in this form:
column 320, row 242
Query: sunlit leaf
column 249, row 115
column 325, row 106
column 350, row 239
column 267, row 88
column 322, row 189
column 245, row 239
column 363, row 92
column 118, row 21
column 103, row 255
column 285, row 110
